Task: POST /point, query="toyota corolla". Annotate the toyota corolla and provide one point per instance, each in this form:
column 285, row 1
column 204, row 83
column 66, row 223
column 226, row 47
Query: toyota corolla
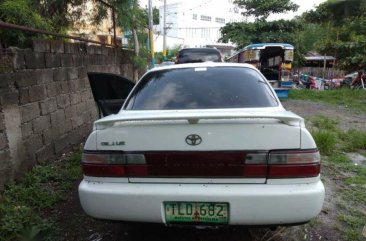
column 202, row 144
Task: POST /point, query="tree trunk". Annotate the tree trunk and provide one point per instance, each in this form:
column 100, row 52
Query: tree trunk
column 137, row 51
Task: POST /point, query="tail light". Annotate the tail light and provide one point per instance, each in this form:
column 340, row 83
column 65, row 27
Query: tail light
column 276, row 164
column 293, row 164
column 113, row 164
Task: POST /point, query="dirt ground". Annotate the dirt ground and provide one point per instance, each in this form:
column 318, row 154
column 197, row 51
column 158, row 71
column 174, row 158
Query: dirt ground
column 347, row 119
column 76, row 225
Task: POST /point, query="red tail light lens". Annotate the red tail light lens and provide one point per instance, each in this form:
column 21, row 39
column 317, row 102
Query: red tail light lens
column 98, row 170
column 113, row 164
column 276, row 164
column 294, row 164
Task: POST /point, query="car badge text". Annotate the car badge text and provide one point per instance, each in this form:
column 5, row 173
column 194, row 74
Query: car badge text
column 112, row 143
column 193, row 140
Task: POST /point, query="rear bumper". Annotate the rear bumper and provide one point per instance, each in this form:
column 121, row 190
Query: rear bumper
column 250, row 204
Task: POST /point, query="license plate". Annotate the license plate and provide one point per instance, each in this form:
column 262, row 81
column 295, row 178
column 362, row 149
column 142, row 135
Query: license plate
column 196, row 212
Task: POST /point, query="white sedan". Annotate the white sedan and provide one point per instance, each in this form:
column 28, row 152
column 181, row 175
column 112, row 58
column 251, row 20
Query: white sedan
column 202, row 144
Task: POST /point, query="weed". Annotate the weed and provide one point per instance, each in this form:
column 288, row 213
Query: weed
column 315, row 222
column 339, row 159
column 353, row 99
column 356, row 180
column 325, row 140
column 354, row 140
column 354, row 222
column 324, row 123
column 23, row 204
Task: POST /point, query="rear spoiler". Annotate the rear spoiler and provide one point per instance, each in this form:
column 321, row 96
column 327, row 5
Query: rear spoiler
column 194, row 116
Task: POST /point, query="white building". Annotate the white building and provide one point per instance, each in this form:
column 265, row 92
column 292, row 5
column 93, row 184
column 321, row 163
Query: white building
column 195, row 23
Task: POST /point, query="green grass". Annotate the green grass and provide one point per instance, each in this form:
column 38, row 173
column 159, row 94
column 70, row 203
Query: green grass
column 354, row 140
column 353, row 223
column 351, row 185
column 325, row 140
column 325, row 133
column 353, row 99
column 25, row 206
column 352, row 191
column 323, row 122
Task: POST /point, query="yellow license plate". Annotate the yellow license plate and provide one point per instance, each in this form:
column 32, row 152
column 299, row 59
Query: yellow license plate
column 196, row 212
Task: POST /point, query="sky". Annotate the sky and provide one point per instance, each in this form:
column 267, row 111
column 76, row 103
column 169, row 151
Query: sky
column 304, row 5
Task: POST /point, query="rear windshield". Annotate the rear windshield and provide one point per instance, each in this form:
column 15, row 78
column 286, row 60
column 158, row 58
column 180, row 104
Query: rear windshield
column 198, row 55
column 201, row 88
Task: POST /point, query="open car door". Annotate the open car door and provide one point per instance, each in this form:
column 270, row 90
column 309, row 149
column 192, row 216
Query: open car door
column 109, row 91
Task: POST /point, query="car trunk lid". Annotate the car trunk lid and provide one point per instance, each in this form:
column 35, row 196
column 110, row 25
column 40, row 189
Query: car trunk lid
column 217, row 146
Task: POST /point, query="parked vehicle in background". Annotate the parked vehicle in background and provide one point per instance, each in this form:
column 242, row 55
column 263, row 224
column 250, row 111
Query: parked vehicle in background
column 274, row 61
column 333, row 83
column 314, row 82
column 202, row 144
column 347, row 81
column 198, row 55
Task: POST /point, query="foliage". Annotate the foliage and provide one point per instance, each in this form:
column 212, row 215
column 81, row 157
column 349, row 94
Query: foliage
column 261, row 9
column 344, row 25
column 20, row 12
column 348, row 98
column 325, row 140
column 335, row 11
column 140, row 60
column 22, row 205
column 310, row 35
column 354, row 140
column 351, row 178
column 171, row 53
column 350, row 47
column 260, row 32
column 131, row 17
column 50, row 15
column 324, row 123
column 62, row 13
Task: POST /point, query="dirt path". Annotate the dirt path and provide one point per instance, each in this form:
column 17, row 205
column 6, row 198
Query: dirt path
column 347, row 119
column 77, row 226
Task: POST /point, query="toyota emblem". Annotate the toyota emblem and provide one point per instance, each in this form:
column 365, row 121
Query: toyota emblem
column 193, row 140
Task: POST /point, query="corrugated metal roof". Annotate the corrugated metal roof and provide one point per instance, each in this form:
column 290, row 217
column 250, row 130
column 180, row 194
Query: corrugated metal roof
column 319, row 58
column 264, row 45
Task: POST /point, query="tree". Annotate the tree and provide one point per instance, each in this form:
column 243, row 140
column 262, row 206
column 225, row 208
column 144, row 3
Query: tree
column 261, row 9
column 51, row 15
column 20, row 12
column 335, row 11
column 171, row 53
column 344, row 25
column 132, row 17
column 62, row 13
column 260, row 32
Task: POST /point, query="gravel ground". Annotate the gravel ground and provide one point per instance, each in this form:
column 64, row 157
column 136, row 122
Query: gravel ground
column 347, row 119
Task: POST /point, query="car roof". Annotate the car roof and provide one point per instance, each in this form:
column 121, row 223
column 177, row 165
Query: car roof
column 202, row 65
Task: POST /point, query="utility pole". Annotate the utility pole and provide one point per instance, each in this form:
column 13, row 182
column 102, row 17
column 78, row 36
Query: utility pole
column 151, row 34
column 164, row 29
column 324, row 66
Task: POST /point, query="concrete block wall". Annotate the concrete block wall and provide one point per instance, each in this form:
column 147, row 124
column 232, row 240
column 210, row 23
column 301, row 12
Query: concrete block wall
column 46, row 104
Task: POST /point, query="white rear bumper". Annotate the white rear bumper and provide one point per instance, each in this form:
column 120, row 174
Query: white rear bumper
column 249, row 204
